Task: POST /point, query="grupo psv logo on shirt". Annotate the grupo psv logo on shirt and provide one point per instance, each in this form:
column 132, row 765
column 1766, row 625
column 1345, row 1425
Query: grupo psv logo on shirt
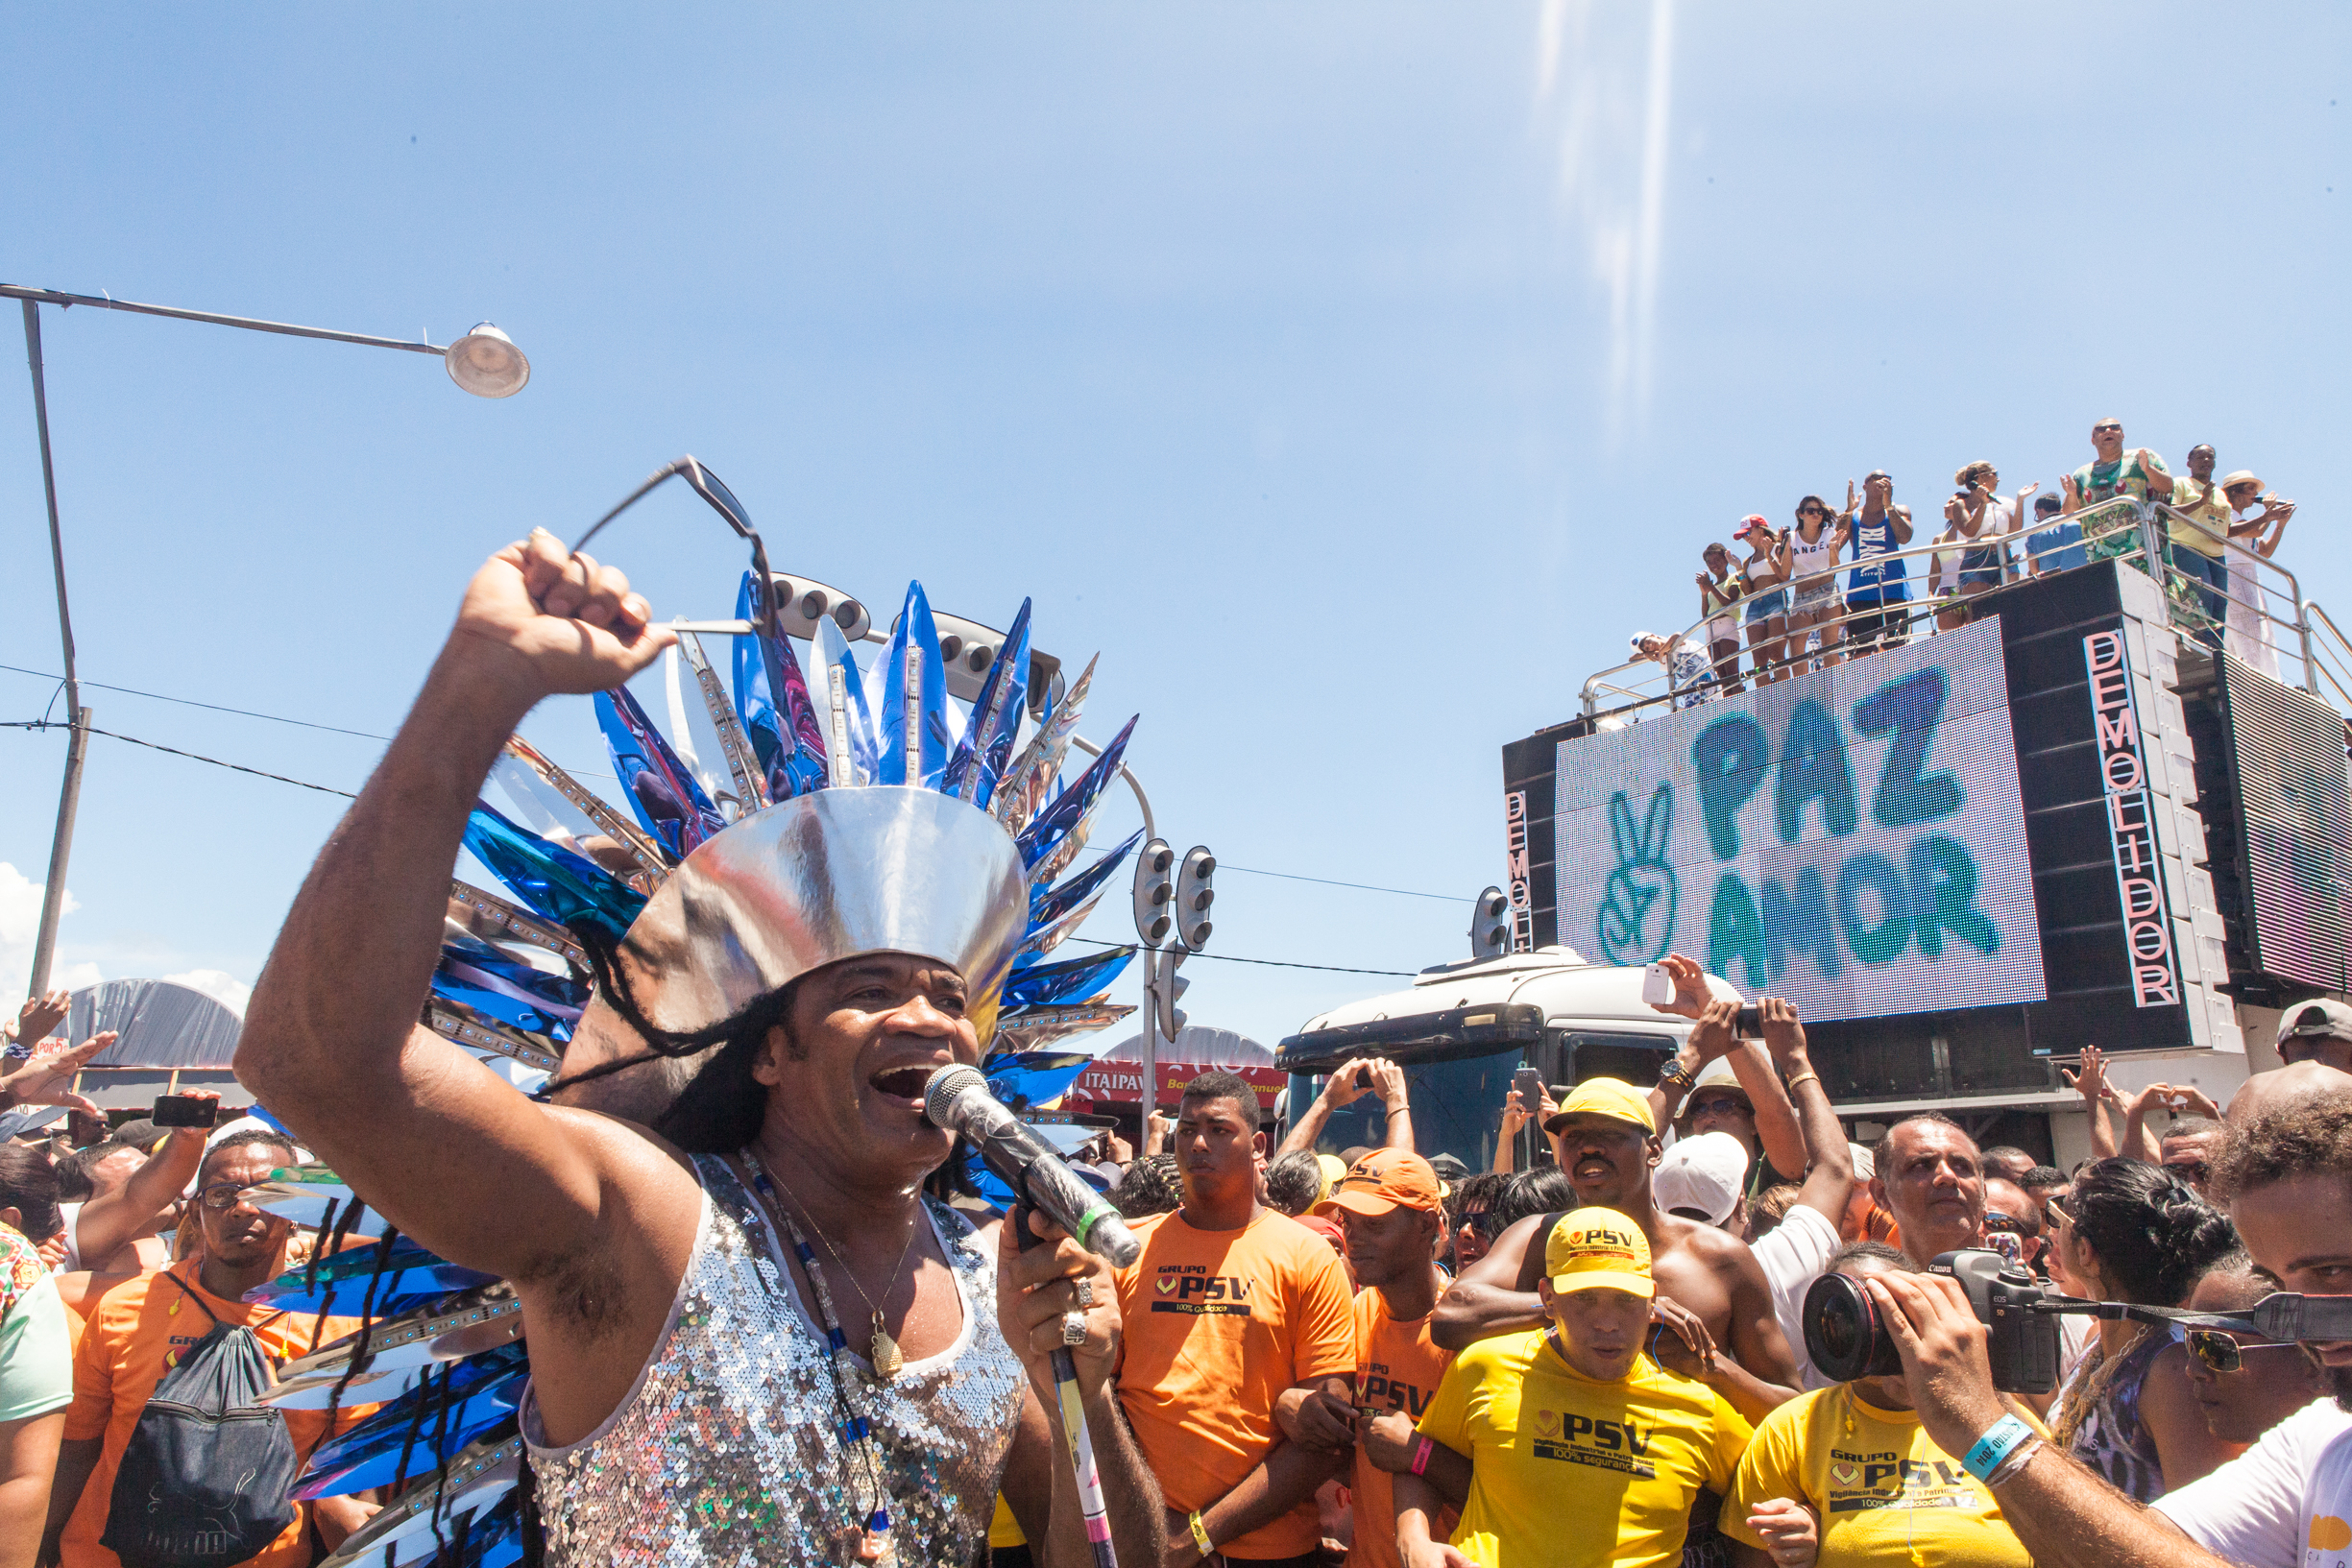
column 1621, row 1446
column 1199, row 1293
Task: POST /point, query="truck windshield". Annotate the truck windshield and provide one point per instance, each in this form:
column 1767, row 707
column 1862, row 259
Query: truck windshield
column 1457, row 1109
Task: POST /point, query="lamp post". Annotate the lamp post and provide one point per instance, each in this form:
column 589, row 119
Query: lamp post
column 484, row 362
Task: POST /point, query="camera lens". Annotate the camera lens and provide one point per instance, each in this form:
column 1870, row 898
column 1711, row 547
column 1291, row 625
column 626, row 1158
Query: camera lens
column 1842, row 1334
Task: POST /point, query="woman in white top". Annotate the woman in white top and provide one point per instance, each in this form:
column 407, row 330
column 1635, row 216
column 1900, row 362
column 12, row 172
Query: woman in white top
column 1815, row 606
column 1719, row 593
column 2249, row 639
column 1762, row 577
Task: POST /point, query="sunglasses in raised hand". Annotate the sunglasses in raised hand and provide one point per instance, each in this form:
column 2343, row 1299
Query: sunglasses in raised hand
column 722, row 502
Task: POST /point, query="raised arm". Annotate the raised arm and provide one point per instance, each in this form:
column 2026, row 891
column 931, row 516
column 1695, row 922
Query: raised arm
column 331, row 1044
column 2138, row 1142
column 1828, row 1180
column 1389, row 1082
column 113, row 1220
column 1345, row 1087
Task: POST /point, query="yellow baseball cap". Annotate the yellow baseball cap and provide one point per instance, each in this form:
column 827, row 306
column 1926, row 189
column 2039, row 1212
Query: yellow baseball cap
column 1598, row 1250
column 1333, row 1168
column 1612, row 1097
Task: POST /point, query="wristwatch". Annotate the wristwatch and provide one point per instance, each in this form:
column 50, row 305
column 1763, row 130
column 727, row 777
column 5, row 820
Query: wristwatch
column 1679, row 1078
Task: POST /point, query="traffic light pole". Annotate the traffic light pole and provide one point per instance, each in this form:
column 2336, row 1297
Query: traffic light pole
column 1147, row 1095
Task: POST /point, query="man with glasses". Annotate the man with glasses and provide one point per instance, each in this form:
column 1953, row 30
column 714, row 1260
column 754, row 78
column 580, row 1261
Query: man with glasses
column 142, row 1327
column 2012, row 1221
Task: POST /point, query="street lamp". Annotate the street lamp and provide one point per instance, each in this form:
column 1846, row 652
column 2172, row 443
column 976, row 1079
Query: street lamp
column 485, row 362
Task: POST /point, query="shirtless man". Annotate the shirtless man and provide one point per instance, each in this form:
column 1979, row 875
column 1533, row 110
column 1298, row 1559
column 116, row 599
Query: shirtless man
column 1711, row 1290
column 2315, row 1040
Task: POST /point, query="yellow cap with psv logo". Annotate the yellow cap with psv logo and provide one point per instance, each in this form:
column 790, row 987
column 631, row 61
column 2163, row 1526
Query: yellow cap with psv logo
column 1598, row 1250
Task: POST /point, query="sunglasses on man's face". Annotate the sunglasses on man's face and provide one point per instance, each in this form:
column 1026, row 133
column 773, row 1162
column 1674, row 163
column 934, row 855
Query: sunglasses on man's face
column 2192, row 1172
column 1475, row 1221
column 2106, row 429
column 1718, row 1106
column 2217, row 1352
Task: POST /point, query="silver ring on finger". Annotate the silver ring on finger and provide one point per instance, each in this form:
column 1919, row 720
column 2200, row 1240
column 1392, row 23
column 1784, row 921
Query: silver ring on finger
column 1073, row 1329
column 1082, row 1291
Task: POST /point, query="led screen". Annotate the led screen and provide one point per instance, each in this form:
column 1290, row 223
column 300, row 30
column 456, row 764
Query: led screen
column 1852, row 839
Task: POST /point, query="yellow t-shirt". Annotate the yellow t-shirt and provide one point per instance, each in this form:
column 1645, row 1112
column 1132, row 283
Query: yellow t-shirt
column 1215, row 1325
column 1886, row 1493
column 1557, row 1457
column 2203, row 501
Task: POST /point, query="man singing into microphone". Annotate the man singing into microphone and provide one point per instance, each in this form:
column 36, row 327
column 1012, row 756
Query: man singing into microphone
column 753, row 1339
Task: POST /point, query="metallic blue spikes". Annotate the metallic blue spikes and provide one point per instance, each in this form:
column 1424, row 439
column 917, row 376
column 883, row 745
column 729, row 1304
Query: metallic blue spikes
column 553, row 882
column 772, row 701
column 850, row 751
column 663, row 791
column 528, row 1017
column 986, row 746
column 482, row 1391
column 1042, row 984
column 1046, row 907
column 1034, row 1077
column 409, row 1271
column 912, row 718
column 1056, row 821
column 476, row 962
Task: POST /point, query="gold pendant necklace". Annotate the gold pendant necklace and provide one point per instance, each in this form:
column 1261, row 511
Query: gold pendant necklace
column 882, row 1351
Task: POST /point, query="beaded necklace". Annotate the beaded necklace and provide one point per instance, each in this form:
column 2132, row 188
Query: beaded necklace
column 869, row 1543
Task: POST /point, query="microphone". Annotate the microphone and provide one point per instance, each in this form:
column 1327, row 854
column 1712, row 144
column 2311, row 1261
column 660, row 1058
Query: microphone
column 957, row 1099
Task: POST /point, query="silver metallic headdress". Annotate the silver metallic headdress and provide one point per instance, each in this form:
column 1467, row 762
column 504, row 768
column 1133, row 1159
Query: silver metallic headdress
column 795, row 822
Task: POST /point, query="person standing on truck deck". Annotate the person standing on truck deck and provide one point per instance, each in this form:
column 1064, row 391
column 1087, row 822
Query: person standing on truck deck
column 1873, row 583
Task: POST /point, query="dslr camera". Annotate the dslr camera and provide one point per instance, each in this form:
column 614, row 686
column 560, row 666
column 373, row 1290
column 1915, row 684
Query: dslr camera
column 1846, row 1339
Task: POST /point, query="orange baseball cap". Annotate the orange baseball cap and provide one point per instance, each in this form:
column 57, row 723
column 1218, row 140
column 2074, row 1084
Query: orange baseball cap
column 1385, row 1179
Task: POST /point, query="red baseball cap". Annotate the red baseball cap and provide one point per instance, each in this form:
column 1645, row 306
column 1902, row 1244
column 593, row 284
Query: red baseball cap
column 1750, row 524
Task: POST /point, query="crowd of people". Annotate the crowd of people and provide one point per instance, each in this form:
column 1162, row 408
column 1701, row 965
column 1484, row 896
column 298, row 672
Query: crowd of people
column 765, row 1325
column 1834, row 584
column 1374, row 1357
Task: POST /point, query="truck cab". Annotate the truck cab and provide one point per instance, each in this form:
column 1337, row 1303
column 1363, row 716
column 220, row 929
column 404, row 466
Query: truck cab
column 1462, row 1029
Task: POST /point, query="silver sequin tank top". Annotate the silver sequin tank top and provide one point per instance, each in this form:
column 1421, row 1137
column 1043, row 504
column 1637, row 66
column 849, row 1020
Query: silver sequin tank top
column 728, row 1451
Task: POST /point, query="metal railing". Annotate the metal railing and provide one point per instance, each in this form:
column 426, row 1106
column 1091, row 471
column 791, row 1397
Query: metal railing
column 2120, row 529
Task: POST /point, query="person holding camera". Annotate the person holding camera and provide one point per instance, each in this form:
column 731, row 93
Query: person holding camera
column 1845, row 1477
column 2134, row 1232
column 2287, row 1502
column 1351, row 1082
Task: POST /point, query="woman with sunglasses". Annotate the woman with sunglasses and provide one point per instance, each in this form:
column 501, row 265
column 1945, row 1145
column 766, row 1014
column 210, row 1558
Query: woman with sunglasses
column 2134, row 1232
column 1813, row 547
column 2245, row 1385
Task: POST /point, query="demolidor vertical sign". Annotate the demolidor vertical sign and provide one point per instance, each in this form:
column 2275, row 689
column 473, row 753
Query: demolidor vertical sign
column 2132, row 824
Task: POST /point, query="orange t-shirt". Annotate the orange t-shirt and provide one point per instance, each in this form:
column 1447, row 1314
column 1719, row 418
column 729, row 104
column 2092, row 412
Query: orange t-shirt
column 1217, row 1325
column 134, row 1333
column 1398, row 1367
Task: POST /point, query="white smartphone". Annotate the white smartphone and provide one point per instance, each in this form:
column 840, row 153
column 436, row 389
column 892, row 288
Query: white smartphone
column 1657, row 985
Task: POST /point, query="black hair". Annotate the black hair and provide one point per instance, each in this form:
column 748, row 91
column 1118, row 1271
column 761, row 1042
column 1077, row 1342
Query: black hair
column 1988, row 1155
column 1294, row 1182
column 2190, row 1126
column 75, row 1183
column 1540, row 1190
column 264, row 1136
column 1220, row 1084
column 2047, row 505
column 1883, row 1152
column 1873, row 1252
column 722, row 1106
column 1477, row 1193
column 2041, row 1179
column 1146, row 1188
column 2152, row 1233
column 29, row 1185
column 2307, row 1137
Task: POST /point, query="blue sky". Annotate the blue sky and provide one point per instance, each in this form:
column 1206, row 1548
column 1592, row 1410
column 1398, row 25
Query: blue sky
column 1353, row 377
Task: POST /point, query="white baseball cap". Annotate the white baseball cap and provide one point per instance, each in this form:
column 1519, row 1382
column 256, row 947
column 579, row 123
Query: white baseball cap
column 1708, row 1174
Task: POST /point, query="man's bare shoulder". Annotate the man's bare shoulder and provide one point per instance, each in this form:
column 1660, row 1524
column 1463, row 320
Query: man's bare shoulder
column 1719, row 1252
column 2268, row 1091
